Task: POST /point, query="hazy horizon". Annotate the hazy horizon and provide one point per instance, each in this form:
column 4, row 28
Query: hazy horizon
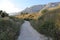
column 11, row 6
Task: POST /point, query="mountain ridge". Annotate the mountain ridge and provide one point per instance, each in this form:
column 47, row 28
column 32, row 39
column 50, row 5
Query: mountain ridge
column 37, row 8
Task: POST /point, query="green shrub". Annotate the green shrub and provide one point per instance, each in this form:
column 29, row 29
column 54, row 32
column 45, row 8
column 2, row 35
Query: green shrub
column 3, row 14
column 9, row 29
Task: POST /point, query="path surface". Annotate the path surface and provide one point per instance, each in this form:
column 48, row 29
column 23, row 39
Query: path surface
column 28, row 33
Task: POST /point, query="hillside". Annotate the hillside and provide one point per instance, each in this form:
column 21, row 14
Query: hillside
column 29, row 16
column 48, row 23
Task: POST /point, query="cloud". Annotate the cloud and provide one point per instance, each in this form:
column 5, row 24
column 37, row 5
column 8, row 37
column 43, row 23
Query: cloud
column 7, row 6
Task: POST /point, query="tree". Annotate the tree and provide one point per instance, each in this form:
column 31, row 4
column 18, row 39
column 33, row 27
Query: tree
column 2, row 15
column 44, row 11
column 1, row 12
column 6, row 14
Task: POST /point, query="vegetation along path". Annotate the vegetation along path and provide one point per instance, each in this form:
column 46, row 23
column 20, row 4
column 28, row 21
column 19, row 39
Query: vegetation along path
column 29, row 33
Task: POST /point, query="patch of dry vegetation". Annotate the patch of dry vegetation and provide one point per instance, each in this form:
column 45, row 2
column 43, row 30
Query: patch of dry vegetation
column 33, row 16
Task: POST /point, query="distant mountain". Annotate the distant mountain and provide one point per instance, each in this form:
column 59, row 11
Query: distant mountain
column 34, row 8
column 37, row 8
column 50, row 5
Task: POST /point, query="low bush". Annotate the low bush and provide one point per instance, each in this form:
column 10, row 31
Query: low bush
column 9, row 29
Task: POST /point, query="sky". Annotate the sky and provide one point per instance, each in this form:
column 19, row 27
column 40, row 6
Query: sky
column 11, row 6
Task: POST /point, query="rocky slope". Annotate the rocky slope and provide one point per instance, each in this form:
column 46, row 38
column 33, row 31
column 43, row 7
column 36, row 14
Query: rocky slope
column 34, row 8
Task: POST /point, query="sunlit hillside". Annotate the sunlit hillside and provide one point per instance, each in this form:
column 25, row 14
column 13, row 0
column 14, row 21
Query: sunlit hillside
column 29, row 16
column 54, row 8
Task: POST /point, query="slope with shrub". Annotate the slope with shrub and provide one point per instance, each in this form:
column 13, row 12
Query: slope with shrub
column 48, row 23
